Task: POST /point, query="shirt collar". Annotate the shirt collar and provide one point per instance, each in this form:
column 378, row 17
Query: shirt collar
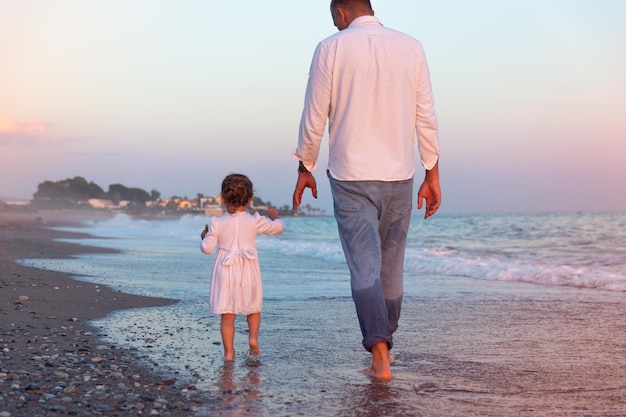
column 364, row 20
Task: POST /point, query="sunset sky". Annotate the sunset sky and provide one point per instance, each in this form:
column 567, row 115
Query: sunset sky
column 173, row 95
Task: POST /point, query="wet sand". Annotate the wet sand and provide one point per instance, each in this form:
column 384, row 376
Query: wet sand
column 512, row 349
column 464, row 348
column 496, row 350
column 53, row 362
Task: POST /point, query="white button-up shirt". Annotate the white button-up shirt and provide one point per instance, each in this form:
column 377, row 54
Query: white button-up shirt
column 373, row 85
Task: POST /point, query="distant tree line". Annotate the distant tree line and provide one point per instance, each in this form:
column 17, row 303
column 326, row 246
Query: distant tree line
column 78, row 189
column 75, row 192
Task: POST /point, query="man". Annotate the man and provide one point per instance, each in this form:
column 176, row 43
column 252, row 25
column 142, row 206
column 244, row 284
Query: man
column 373, row 85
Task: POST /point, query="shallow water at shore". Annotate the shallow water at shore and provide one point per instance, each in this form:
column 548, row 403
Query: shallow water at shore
column 462, row 349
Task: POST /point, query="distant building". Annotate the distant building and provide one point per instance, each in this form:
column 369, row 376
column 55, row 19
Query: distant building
column 101, row 203
column 16, row 202
column 211, row 206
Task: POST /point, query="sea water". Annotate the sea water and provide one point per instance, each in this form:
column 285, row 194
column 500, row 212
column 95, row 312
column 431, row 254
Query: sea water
column 308, row 323
column 162, row 258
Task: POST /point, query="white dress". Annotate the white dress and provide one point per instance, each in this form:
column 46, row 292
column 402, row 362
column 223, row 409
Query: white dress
column 236, row 283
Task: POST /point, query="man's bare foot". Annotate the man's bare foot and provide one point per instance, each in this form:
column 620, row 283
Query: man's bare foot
column 254, row 348
column 372, row 373
column 381, row 367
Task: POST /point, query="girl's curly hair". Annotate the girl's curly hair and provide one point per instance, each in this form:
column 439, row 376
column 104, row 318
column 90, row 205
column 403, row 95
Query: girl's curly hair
column 236, row 191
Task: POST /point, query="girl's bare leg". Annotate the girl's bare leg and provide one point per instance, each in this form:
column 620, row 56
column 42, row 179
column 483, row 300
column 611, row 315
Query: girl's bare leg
column 254, row 323
column 228, row 336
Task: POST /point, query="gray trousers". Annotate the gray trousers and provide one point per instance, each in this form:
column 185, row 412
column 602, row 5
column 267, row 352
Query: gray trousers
column 373, row 219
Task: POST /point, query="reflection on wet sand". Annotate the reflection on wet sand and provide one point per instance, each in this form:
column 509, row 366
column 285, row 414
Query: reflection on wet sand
column 239, row 393
column 374, row 399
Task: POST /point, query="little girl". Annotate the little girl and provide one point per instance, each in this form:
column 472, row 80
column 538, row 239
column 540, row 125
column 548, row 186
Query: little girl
column 236, row 283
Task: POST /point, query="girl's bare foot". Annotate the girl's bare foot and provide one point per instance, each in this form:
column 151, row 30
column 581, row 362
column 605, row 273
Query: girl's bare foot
column 254, row 322
column 254, row 348
column 229, row 356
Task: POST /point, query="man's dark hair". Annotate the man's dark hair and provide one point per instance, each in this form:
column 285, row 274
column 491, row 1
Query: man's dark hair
column 349, row 3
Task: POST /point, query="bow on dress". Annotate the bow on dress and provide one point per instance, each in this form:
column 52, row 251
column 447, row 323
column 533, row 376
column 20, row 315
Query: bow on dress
column 248, row 253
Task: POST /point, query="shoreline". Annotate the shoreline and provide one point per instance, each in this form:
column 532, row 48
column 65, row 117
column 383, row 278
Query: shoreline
column 53, row 359
column 466, row 347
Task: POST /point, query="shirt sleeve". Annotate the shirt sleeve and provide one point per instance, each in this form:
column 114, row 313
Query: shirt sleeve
column 316, row 109
column 426, row 124
column 267, row 226
column 210, row 239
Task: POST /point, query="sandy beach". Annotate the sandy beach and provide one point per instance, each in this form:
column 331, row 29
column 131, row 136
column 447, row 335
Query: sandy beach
column 52, row 361
column 465, row 347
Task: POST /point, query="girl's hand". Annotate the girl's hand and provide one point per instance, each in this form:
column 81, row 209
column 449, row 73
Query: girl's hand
column 272, row 213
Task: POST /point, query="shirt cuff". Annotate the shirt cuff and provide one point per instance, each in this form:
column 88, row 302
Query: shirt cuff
column 310, row 167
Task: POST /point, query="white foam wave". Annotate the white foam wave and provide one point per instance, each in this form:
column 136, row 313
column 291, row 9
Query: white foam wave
column 444, row 261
